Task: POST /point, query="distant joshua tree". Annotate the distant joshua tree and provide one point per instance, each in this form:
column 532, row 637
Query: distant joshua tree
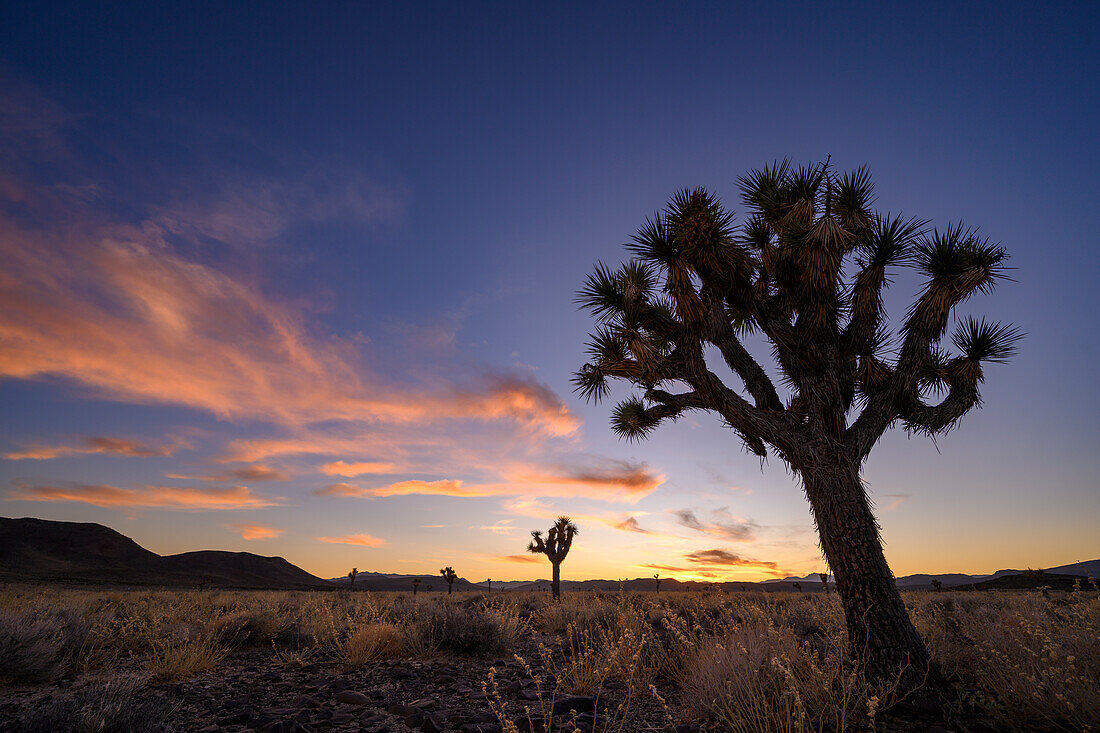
column 416, row 584
column 558, row 541
column 449, row 575
column 657, row 580
column 937, row 585
column 489, row 584
column 805, row 271
column 824, row 582
column 797, row 586
column 204, row 581
column 351, row 577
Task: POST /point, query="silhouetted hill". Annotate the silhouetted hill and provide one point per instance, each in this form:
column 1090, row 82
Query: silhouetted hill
column 366, row 580
column 74, row 552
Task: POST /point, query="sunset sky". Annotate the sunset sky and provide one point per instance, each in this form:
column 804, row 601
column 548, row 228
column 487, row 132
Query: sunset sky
column 299, row 281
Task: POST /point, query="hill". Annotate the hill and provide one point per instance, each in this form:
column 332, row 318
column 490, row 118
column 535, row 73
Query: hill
column 366, row 580
column 33, row 550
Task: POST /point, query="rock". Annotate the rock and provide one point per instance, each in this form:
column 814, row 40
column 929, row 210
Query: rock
column 351, row 697
column 424, row 703
column 580, row 703
column 431, row 725
column 283, row 726
column 240, row 717
column 483, row 717
column 534, row 724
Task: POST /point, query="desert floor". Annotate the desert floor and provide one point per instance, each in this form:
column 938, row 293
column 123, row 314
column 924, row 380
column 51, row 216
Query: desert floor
column 222, row 660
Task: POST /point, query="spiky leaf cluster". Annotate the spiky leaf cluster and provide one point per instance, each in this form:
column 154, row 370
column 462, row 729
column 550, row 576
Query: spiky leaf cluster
column 806, row 268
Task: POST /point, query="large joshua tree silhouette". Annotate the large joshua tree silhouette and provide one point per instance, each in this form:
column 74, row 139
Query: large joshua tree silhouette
column 556, row 546
column 805, row 272
column 449, row 575
column 351, row 577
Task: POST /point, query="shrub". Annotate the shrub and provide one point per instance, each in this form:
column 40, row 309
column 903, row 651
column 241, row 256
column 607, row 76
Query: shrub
column 111, row 707
column 374, row 641
column 40, row 646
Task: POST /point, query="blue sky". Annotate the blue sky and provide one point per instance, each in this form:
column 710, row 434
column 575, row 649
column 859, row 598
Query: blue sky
column 360, row 228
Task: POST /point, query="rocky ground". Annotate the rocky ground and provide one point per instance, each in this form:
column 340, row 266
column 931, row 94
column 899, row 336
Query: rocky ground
column 253, row 690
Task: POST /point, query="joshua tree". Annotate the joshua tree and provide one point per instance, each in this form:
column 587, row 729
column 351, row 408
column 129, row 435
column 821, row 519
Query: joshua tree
column 937, row 585
column 416, row 584
column 351, row 577
column 657, row 580
column 559, row 539
column 449, row 575
column 797, row 586
column 806, row 272
column 824, row 582
column 489, row 584
column 204, row 581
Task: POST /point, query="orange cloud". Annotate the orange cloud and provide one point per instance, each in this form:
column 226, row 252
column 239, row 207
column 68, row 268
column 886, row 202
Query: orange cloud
column 257, row 531
column 724, row 557
column 90, row 445
column 342, row 489
column 117, row 310
column 257, row 472
column 363, row 540
column 167, row 497
column 630, row 524
column 519, row 558
column 443, row 487
column 633, row 480
column 340, row 468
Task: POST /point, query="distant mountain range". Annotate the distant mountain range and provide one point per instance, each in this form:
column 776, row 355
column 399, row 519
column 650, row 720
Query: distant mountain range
column 72, row 552
column 39, row 550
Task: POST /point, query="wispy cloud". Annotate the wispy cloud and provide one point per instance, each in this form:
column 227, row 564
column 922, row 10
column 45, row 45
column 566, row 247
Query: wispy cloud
column 256, row 472
column 519, row 559
column 164, row 497
column 256, row 531
column 715, row 563
column 504, row 526
column 362, row 540
column 359, row 468
column 94, row 444
column 723, row 525
column 895, row 501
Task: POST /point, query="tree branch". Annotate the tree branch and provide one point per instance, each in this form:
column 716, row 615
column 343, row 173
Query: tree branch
column 721, row 334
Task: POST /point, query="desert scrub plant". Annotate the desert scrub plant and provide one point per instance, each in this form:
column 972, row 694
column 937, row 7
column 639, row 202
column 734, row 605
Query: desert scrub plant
column 468, row 630
column 114, row 706
column 371, row 642
column 1023, row 661
column 762, row 678
column 41, row 644
column 177, row 659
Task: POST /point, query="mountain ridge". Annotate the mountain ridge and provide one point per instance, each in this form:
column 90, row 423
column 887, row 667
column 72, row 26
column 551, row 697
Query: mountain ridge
column 41, row 550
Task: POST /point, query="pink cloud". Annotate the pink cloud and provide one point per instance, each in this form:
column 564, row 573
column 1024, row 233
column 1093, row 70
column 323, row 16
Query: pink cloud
column 117, row 310
column 340, row 468
column 93, row 444
column 165, row 497
column 363, row 540
column 257, row 531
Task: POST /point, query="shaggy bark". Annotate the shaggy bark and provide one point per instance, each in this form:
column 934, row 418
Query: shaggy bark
column 880, row 633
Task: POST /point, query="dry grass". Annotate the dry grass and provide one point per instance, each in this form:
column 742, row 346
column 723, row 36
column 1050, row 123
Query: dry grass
column 737, row 662
column 374, row 641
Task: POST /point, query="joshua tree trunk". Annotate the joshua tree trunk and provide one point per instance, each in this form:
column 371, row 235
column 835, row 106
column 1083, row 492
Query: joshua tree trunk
column 879, row 629
column 556, row 585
